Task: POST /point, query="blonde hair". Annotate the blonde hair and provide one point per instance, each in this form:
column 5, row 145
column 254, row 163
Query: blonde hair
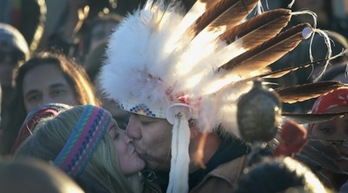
column 51, row 135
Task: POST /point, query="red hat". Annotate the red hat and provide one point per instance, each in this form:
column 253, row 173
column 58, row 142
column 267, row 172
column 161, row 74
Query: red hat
column 33, row 118
column 338, row 97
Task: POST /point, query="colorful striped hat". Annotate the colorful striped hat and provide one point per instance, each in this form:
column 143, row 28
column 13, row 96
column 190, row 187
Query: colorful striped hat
column 83, row 140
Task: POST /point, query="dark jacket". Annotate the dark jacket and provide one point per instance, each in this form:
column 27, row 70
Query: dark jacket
column 222, row 179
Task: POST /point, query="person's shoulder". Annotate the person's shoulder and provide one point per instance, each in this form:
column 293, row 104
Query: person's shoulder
column 232, row 170
column 224, row 178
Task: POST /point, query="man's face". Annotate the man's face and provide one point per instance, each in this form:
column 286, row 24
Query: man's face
column 10, row 59
column 152, row 140
column 335, row 133
column 46, row 84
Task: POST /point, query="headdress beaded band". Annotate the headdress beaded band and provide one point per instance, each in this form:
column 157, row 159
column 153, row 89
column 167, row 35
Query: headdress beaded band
column 83, row 141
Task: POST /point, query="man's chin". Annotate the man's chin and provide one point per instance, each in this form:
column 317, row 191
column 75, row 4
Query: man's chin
column 154, row 163
column 156, row 166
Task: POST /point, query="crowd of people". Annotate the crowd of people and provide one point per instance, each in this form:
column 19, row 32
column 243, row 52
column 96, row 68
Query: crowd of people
column 151, row 96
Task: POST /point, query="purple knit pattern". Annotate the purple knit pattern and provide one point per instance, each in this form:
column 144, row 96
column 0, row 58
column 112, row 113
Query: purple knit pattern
column 83, row 141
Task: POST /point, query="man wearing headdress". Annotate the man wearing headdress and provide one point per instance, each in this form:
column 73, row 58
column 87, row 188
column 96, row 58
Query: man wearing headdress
column 180, row 77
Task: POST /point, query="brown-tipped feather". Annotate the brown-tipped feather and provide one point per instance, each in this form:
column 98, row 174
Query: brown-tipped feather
column 196, row 9
column 193, row 5
column 266, row 53
column 298, row 93
column 224, row 13
column 279, row 73
column 259, row 28
column 284, row 71
column 304, row 118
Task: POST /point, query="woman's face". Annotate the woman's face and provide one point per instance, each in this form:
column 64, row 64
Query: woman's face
column 128, row 158
column 46, row 84
column 335, row 133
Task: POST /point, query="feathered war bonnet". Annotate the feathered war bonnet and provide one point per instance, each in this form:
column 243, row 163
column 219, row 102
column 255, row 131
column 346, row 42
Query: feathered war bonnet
column 167, row 63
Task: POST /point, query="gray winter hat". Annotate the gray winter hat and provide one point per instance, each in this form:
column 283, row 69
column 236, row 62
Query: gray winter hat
column 12, row 37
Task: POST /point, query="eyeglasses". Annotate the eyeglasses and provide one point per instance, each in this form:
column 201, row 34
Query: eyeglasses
column 15, row 56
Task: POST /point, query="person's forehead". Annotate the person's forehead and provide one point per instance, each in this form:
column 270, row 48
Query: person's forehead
column 44, row 76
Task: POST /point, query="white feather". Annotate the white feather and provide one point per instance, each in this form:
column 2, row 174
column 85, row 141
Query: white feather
column 158, row 67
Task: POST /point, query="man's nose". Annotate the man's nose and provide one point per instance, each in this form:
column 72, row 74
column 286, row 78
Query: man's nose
column 133, row 129
column 47, row 99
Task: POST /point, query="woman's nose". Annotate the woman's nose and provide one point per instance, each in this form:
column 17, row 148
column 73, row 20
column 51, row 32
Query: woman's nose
column 126, row 138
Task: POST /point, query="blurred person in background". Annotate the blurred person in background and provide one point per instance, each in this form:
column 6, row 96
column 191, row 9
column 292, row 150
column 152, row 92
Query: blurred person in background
column 340, row 14
column 93, row 65
column 331, row 14
column 283, row 174
column 327, row 151
column 95, row 33
column 95, row 37
column 45, row 78
column 33, row 175
column 14, row 51
column 28, row 16
column 68, row 30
